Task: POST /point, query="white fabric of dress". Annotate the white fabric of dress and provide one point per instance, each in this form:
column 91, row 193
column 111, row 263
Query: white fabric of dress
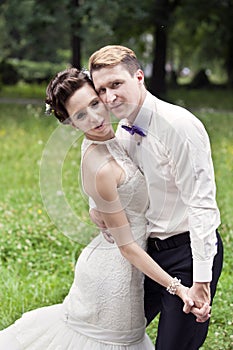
column 104, row 308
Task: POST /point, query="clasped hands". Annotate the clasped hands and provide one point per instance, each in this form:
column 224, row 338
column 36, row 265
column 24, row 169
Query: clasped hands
column 196, row 299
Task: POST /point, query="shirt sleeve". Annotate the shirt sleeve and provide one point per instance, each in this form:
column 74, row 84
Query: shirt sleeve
column 188, row 150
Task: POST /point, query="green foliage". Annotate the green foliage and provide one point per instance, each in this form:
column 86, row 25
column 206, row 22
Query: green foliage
column 8, row 73
column 199, row 33
column 202, row 35
column 36, row 72
column 34, row 30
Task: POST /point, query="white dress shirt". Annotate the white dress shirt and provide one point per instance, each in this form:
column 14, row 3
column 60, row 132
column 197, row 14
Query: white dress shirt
column 175, row 158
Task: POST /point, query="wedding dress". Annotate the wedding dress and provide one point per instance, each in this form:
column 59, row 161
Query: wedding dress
column 104, row 308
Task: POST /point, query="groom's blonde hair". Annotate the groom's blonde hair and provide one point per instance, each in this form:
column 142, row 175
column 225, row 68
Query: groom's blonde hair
column 112, row 55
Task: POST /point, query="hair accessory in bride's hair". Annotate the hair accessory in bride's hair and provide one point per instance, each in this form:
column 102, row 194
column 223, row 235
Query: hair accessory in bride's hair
column 48, row 109
column 86, row 72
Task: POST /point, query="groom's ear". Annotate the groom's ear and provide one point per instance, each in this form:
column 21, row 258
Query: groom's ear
column 140, row 76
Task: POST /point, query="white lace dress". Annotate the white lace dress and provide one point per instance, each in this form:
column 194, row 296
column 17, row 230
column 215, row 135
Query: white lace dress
column 104, row 308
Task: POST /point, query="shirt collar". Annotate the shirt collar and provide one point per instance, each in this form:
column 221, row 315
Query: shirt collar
column 144, row 115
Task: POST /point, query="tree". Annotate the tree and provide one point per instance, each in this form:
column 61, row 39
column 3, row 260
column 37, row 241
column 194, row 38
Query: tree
column 75, row 27
column 203, row 34
column 226, row 13
column 158, row 83
column 156, row 20
column 181, row 31
column 39, row 29
column 34, row 29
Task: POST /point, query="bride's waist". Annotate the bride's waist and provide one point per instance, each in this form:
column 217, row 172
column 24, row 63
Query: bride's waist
column 99, row 242
column 110, row 336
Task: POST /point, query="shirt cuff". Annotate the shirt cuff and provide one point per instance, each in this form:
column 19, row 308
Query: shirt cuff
column 202, row 270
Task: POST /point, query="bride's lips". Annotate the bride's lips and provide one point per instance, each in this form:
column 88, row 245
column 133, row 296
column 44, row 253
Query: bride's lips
column 99, row 126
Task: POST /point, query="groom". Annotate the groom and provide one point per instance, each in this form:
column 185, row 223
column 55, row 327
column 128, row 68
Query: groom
column 172, row 149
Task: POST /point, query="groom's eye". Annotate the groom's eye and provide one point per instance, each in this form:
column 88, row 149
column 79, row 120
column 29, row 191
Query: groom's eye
column 116, row 84
column 95, row 103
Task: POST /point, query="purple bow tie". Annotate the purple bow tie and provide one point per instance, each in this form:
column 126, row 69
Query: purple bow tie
column 133, row 129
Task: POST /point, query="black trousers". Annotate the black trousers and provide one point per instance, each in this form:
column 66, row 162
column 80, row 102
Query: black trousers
column 177, row 330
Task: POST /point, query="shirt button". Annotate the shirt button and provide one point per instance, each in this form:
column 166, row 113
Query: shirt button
column 138, row 143
column 148, row 223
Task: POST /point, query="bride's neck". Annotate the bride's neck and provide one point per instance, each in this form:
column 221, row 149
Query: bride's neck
column 106, row 137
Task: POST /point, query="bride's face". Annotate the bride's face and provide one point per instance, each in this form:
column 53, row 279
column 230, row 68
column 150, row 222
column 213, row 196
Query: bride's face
column 88, row 113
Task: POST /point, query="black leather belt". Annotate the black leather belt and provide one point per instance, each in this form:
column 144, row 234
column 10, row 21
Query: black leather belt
column 168, row 243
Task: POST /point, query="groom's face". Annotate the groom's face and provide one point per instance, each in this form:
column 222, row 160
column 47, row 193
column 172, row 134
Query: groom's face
column 119, row 90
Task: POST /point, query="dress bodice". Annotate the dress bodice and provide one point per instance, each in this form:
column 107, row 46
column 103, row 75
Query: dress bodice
column 132, row 191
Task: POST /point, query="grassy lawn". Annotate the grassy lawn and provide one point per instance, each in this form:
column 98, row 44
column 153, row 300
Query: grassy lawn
column 23, row 90
column 37, row 260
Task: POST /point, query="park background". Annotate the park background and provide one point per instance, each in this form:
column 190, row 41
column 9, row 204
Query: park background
column 186, row 50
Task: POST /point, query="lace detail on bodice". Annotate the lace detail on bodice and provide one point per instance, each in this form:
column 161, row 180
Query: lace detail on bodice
column 117, row 152
column 133, row 191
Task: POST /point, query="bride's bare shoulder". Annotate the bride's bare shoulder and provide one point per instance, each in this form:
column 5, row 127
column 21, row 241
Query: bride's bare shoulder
column 98, row 174
column 95, row 158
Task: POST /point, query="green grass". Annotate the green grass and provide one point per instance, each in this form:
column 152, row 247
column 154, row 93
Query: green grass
column 37, row 260
column 23, row 90
column 212, row 100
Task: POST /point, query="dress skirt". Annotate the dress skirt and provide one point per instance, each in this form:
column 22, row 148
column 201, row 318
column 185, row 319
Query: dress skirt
column 46, row 329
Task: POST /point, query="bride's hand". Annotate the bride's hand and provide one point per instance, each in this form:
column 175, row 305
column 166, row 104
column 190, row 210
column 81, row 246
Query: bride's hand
column 202, row 313
column 182, row 292
column 97, row 219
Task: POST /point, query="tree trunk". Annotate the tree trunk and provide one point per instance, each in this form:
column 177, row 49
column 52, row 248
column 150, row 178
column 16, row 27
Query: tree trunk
column 75, row 38
column 158, row 82
column 229, row 62
column 76, row 51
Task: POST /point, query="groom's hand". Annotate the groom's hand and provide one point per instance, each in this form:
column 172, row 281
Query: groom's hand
column 202, row 314
column 200, row 294
column 97, row 219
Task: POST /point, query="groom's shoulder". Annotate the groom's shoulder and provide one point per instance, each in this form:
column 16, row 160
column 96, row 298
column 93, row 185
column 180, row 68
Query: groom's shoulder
column 171, row 112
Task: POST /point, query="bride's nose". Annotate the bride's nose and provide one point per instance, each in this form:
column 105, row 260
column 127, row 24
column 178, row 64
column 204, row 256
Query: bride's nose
column 94, row 117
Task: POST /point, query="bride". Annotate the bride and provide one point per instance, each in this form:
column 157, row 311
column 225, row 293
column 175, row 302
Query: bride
column 104, row 308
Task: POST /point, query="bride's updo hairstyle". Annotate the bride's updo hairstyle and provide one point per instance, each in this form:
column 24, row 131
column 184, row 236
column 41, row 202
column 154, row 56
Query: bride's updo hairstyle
column 61, row 88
